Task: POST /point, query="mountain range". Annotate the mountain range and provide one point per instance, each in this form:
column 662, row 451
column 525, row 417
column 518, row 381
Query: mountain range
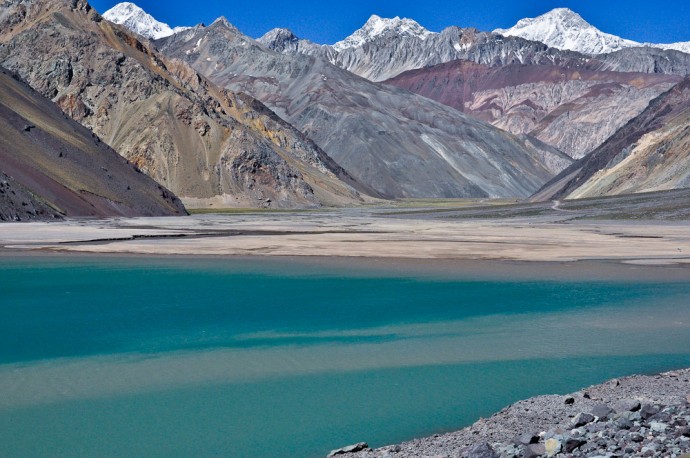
column 392, row 111
column 209, row 146
column 572, row 95
column 396, row 142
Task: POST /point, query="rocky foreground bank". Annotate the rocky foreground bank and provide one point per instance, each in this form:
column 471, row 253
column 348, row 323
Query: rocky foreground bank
column 645, row 416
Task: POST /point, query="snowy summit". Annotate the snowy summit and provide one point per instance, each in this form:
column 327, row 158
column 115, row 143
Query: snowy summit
column 564, row 29
column 377, row 26
column 139, row 21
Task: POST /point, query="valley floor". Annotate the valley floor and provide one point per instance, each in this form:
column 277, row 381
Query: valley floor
column 626, row 230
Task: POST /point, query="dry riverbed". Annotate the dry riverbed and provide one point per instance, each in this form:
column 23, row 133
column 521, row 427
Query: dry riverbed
column 365, row 233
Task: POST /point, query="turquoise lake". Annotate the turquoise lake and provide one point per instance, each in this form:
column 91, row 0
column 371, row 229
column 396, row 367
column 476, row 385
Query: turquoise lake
column 183, row 357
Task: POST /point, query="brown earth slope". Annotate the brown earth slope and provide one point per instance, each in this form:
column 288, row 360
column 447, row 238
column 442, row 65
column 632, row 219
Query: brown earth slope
column 574, row 110
column 650, row 153
column 50, row 166
column 208, row 145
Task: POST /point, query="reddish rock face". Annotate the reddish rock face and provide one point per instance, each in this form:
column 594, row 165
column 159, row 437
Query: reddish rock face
column 572, row 109
column 74, row 107
column 650, row 153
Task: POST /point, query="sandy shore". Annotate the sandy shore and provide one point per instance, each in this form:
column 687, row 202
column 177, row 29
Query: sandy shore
column 365, row 234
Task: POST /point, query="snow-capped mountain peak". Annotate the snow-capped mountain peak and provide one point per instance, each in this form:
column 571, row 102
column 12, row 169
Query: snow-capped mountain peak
column 377, row 26
column 564, row 29
column 139, row 21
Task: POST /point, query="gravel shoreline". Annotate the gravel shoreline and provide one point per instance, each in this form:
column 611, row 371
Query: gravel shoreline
column 640, row 415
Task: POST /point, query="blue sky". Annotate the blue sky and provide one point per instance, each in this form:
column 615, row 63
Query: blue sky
column 326, row 21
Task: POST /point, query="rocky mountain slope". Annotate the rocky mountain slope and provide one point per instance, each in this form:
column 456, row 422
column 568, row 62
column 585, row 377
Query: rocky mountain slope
column 400, row 144
column 139, row 21
column 384, row 54
column 210, row 146
column 50, row 166
column 650, row 153
column 574, row 110
column 564, row 29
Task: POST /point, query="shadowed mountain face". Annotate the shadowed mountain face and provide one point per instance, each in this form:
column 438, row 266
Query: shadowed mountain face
column 650, row 153
column 50, row 166
column 387, row 55
column 400, row 144
column 574, row 110
column 209, row 146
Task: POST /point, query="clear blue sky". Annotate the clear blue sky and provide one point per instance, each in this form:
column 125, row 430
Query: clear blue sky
column 325, row 21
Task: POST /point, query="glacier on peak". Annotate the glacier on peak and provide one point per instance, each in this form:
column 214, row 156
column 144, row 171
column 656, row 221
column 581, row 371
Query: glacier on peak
column 564, row 29
column 377, row 26
column 139, row 21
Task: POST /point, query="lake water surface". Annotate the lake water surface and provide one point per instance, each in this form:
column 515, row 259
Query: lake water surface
column 193, row 357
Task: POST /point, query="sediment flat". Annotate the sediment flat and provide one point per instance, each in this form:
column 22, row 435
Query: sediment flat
column 365, row 233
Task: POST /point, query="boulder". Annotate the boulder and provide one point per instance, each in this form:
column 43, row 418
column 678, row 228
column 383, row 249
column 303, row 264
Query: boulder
column 534, row 450
column 624, row 423
column 552, row 447
column 658, row 426
column 526, row 439
column 627, row 405
column 481, row 451
column 349, row 449
column 647, row 411
column 582, row 419
column 683, row 431
column 572, row 444
column 602, row 411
